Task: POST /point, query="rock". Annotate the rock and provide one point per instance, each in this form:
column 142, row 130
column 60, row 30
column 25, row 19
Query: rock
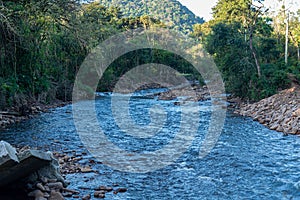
column 87, row 197
column 55, row 196
column 29, row 161
column 104, row 188
column 40, row 198
column 47, row 189
column 120, row 190
column 70, row 191
column 36, row 194
column 52, row 180
column 55, row 186
column 40, row 187
column 296, row 113
column 100, row 194
column 274, row 127
column 8, row 156
column 67, row 194
column 46, row 195
column 86, row 169
column 52, row 171
column 44, row 180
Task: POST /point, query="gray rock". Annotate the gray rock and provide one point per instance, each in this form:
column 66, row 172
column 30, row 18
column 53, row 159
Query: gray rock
column 8, row 155
column 55, row 186
column 30, row 164
column 36, row 194
column 56, row 196
column 41, row 187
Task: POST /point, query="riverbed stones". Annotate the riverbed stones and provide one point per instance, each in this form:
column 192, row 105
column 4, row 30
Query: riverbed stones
column 16, row 166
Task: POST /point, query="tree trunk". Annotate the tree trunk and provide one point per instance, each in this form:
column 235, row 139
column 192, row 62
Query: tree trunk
column 254, row 54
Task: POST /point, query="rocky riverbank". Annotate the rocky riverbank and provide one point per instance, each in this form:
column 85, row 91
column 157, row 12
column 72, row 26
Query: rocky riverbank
column 14, row 115
column 27, row 173
column 193, row 93
column 280, row 112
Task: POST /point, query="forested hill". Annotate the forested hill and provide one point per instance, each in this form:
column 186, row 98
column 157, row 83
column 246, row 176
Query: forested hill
column 171, row 12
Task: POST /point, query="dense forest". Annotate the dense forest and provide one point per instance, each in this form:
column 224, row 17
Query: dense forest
column 170, row 12
column 43, row 43
column 257, row 50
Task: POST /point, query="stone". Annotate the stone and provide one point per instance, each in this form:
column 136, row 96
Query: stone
column 87, row 197
column 97, row 193
column 30, row 161
column 56, row 196
column 70, row 191
column 296, row 113
column 55, row 186
column 46, row 195
column 52, row 171
column 67, row 194
column 104, row 188
column 44, row 180
column 120, row 190
column 53, row 180
column 86, row 169
column 8, row 155
column 40, row 187
column 274, row 127
column 36, row 194
column 40, row 198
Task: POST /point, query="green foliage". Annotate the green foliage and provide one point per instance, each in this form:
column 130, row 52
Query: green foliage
column 144, row 56
column 43, row 43
column 170, row 12
column 237, row 32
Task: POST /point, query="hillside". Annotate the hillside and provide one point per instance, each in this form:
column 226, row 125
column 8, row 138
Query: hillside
column 171, row 12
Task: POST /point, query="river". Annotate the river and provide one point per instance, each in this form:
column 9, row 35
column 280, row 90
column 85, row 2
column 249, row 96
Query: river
column 248, row 162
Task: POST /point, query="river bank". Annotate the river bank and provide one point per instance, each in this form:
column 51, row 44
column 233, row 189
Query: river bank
column 280, row 112
column 15, row 115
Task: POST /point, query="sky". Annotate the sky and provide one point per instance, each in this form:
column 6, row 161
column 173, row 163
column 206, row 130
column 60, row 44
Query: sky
column 202, row 8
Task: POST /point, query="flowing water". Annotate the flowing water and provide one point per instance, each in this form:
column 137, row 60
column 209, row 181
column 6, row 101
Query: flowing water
column 248, row 162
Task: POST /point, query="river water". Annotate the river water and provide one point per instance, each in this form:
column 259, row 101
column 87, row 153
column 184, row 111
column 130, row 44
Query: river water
column 248, row 162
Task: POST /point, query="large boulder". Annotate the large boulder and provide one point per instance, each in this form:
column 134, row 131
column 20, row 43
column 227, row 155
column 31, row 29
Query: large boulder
column 30, row 164
column 8, row 156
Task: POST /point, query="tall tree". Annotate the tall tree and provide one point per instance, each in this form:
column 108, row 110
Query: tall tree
column 246, row 12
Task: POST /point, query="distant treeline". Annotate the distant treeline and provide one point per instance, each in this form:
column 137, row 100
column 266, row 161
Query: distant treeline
column 43, row 43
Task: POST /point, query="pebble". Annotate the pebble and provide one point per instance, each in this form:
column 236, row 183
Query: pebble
column 120, row 190
column 99, row 193
column 87, row 197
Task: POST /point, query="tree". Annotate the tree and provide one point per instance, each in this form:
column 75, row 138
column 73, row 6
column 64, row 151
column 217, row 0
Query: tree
column 247, row 13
